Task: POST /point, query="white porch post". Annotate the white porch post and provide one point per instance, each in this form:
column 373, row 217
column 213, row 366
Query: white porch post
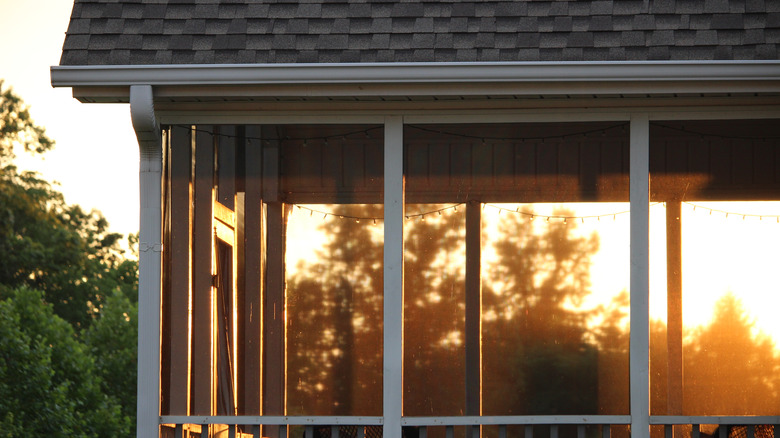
column 149, row 260
column 393, row 278
column 639, row 283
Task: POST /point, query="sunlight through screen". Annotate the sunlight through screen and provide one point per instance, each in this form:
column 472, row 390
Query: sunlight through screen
column 555, row 308
column 714, row 234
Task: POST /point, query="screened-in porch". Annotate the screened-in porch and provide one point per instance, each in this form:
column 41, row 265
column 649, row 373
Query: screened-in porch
column 499, row 276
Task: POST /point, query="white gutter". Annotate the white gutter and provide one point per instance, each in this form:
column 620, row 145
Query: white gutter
column 413, row 73
column 149, row 260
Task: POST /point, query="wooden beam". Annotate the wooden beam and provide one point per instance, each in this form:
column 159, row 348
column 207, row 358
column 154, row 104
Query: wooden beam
column 252, row 247
column 473, row 308
column 473, row 312
column 674, row 323
column 274, row 373
column 273, row 324
column 181, row 148
column 202, row 246
column 226, row 166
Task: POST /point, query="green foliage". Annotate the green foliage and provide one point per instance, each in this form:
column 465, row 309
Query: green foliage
column 17, row 128
column 67, row 253
column 49, row 384
column 68, row 312
column 111, row 339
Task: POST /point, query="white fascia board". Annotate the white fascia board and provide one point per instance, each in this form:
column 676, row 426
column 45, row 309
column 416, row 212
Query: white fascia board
column 412, row 73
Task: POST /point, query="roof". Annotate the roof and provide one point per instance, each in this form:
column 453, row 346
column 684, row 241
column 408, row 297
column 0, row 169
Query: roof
column 157, row 32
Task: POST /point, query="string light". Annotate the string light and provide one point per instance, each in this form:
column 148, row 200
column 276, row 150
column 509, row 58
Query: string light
column 727, row 213
column 622, row 127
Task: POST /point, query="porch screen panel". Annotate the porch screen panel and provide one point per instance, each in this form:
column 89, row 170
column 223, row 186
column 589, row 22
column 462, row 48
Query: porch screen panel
column 714, row 294
column 331, row 183
column 551, row 301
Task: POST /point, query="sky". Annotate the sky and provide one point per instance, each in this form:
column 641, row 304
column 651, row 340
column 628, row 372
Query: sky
column 95, row 159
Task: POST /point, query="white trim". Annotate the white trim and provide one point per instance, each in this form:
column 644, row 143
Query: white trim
column 270, row 420
column 468, row 116
column 149, row 261
column 393, row 357
column 424, row 73
column 716, row 419
column 516, row 419
column 639, row 345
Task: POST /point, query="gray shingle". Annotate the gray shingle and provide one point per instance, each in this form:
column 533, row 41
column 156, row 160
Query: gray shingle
column 562, row 24
column 689, row 7
column 539, row 9
column 606, row 39
column 706, row 38
column 426, row 40
column 715, row 6
column 580, row 39
column 600, row 23
column 755, row 6
column 727, row 21
column 184, row 31
column 628, row 7
column 663, row 6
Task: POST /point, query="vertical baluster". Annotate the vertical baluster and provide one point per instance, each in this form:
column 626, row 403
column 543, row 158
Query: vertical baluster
column 283, row 431
column 423, row 431
column 553, row 431
column 529, row 431
column 696, row 432
column 723, row 431
column 751, row 431
column 334, row 432
column 178, row 432
column 450, row 432
column 309, row 432
column 668, row 431
column 581, row 431
column 502, row 431
column 361, row 432
column 204, row 431
column 232, row 431
column 606, row 431
column 256, row 431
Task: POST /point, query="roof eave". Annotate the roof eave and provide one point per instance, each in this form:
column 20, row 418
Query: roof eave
column 694, row 74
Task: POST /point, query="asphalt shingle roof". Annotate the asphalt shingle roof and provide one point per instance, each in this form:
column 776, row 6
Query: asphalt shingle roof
column 127, row 32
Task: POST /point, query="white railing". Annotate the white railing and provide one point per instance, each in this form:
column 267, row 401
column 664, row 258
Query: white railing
column 232, row 423
column 420, row 424
column 503, row 422
column 250, row 425
column 727, row 426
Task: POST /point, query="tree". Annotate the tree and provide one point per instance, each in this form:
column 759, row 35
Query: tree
column 730, row 369
column 534, row 328
column 537, row 335
column 111, row 340
column 17, row 128
column 64, row 281
column 49, row 384
column 335, row 321
column 47, row 244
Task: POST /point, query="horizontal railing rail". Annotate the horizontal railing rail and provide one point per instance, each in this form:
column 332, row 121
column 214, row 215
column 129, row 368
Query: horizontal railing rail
column 370, row 426
column 515, row 420
column 727, row 426
column 719, row 419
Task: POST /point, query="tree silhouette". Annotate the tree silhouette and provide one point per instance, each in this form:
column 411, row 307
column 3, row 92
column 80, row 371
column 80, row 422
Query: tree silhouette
column 537, row 358
column 730, row 369
column 335, row 321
